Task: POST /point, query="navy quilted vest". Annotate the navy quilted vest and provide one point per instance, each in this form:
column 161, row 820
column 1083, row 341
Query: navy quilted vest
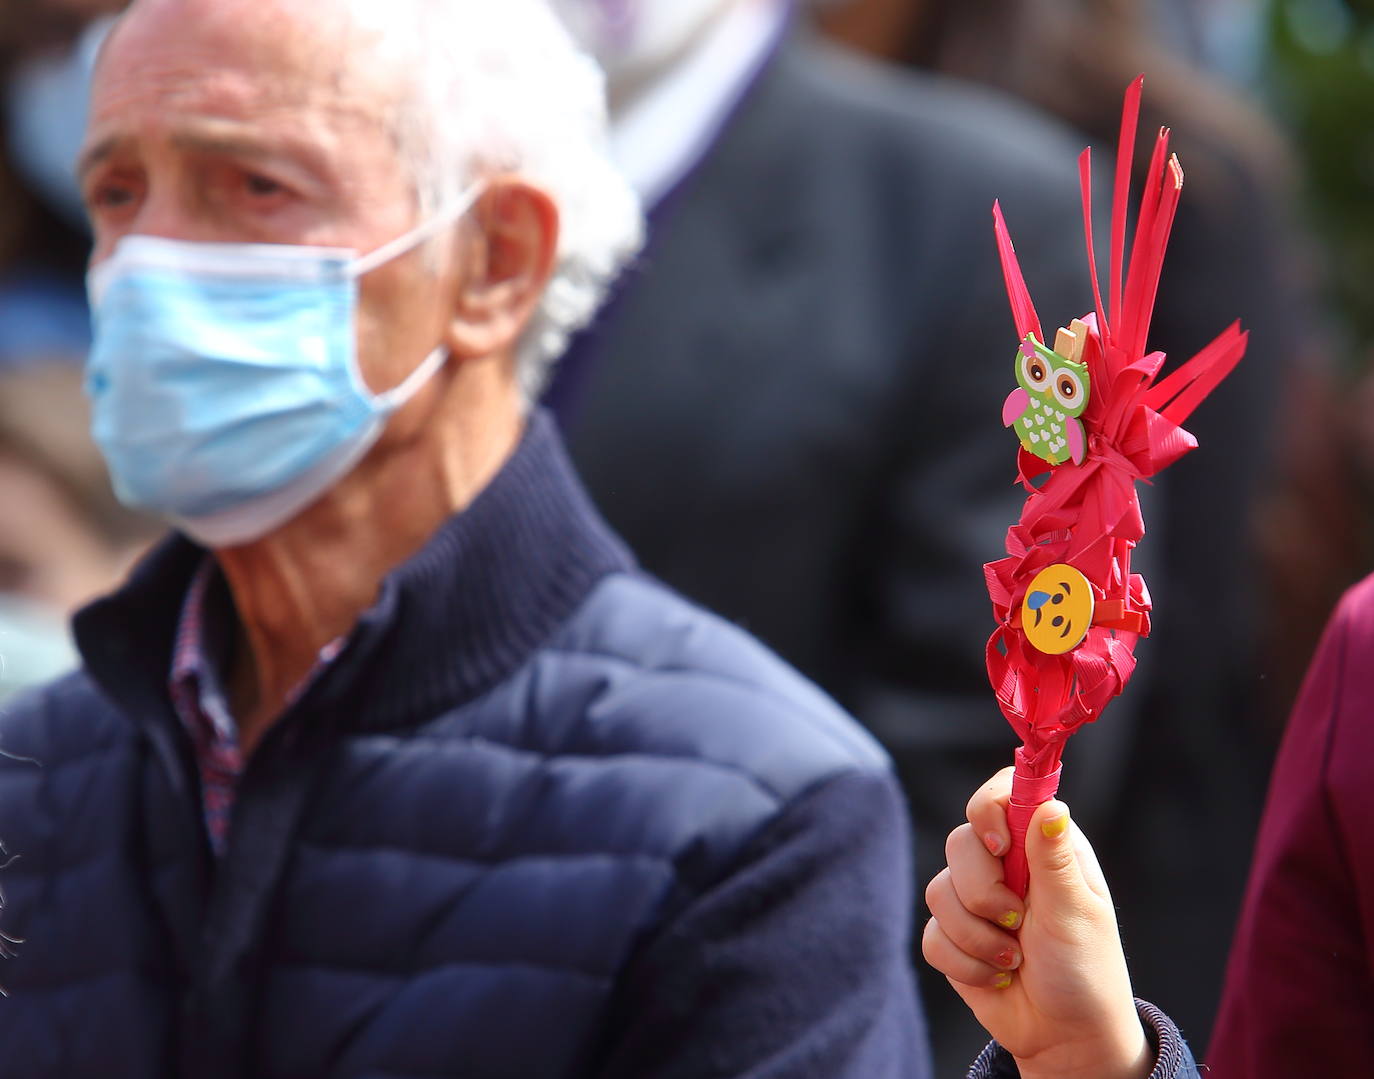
column 523, row 772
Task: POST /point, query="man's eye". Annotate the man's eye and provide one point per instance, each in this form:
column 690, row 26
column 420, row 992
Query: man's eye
column 262, row 186
column 111, row 197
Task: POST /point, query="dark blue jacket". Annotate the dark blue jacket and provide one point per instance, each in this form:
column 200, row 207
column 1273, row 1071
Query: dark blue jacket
column 541, row 818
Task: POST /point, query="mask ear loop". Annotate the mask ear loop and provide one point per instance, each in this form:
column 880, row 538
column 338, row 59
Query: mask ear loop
column 416, row 236
column 394, row 398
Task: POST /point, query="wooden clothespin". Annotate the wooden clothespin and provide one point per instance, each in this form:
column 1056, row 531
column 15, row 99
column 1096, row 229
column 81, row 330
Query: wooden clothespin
column 1070, row 343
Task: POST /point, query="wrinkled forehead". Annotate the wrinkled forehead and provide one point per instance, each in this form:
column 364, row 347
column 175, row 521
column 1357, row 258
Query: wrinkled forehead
column 250, row 54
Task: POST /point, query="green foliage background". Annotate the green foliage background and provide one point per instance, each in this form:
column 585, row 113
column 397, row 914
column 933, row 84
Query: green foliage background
column 1323, row 55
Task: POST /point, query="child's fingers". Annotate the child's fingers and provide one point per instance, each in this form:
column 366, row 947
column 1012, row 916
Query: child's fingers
column 987, row 812
column 977, row 878
column 956, row 964
column 973, row 935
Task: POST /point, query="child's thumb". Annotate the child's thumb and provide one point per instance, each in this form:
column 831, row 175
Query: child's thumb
column 1057, row 883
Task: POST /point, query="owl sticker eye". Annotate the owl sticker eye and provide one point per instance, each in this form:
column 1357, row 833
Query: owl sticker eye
column 1068, row 389
column 1036, row 371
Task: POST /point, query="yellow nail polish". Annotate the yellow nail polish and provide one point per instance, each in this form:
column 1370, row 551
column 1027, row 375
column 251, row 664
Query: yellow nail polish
column 1002, row 981
column 1055, row 826
column 1010, row 920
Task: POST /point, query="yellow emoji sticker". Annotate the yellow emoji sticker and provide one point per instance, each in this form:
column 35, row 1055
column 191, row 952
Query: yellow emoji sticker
column 1058, row 610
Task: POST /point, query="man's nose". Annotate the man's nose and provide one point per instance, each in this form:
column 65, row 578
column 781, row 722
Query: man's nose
column 166, row 214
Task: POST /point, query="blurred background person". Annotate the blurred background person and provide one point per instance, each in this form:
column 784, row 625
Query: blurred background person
column 1322, row 78
column 1259, row 508
column 790, row 409
column 64, row 539
column 30, row 26
column 47, row 48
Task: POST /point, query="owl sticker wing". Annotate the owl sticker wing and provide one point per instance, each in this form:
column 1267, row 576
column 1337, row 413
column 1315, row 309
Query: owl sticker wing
column 1015, row 407
column 1073, row 431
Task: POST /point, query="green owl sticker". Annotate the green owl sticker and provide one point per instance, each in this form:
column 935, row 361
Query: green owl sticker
column 1052, row 392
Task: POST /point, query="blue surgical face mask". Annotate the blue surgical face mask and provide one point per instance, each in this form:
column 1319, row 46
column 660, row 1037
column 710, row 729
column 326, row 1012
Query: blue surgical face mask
column 224, row 383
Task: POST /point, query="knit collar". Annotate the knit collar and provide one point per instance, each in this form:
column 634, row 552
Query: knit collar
column 453, row 621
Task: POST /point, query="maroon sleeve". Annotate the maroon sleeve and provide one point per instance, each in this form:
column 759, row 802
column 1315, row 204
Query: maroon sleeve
column 1299, row 996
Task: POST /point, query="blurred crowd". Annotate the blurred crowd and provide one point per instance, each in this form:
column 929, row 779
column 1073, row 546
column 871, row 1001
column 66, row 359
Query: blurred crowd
column 810, row 355
column 64, row 539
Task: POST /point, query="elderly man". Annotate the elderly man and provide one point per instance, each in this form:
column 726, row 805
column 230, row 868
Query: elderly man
column 391, row 764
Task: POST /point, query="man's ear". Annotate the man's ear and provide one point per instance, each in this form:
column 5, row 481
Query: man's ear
column 509, row 250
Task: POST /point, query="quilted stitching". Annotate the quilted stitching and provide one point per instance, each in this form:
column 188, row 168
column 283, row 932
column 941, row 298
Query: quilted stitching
column 509, row 854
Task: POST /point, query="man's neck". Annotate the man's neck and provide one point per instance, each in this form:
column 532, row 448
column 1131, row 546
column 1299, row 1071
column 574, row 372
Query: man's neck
column 306, row 585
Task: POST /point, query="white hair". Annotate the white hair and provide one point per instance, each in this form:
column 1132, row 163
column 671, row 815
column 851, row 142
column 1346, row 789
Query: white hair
column 499, row 85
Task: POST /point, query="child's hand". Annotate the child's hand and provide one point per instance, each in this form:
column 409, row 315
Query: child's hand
column 1046, row 976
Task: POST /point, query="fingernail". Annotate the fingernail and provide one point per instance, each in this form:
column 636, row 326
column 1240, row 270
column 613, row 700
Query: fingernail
column 1002, row 981
column 1055, row 826
column 993, row 842
column 1008, row 959
column 1010, row 920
